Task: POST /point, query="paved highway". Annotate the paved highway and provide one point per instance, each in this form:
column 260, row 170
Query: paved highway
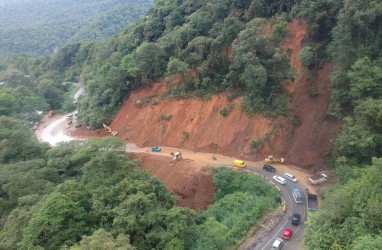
column 54, row 133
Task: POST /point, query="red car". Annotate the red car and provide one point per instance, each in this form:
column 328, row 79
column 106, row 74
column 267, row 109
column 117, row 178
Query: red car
column 287, row 234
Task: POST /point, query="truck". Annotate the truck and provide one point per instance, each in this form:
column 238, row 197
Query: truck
column 239, row 163
column 312, row 202
column 318, row 179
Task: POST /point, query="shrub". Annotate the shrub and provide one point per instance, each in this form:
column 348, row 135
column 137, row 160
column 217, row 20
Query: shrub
column 164, row 117
column 312, row 91
column 306, row 56
column 257, row 143
column 226, row 110
column 186, row 136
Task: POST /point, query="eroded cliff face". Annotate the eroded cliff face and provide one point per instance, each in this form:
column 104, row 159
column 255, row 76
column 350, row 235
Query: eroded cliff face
column 194, row 124
column 148, row 120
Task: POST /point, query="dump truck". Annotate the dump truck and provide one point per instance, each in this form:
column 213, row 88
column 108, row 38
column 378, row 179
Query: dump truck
column 272, row 159
column 177, row 156
column 109, row 130
column 318, row 179
column 312, row 202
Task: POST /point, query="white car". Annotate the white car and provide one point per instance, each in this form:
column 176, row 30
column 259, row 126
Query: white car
column 290, row 177
column 278, row 244
column 279, row 179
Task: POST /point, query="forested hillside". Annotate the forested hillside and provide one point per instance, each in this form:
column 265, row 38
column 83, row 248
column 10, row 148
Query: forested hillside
column 84, row 194
column 38, row 27
column 221, row 46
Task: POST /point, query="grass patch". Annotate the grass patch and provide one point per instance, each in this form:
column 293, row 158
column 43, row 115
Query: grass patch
column 240, row 201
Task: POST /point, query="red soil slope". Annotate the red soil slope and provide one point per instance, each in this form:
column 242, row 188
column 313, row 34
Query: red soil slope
column 187, row 179
column 197, row 124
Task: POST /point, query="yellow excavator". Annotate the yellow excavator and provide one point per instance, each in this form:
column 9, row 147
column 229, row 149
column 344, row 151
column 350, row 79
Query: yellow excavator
column 176, row 156
column 272, row 159
column 109, row 130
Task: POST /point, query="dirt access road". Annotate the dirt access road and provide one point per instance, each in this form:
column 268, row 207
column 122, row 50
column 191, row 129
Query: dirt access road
column 55, row 130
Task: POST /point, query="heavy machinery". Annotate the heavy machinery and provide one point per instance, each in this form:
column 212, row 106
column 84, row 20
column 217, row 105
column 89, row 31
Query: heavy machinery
column 272, row 159
column 109, row 130
column 51, row 113
column 177, row 156
column 69, row 119
column 318, row 179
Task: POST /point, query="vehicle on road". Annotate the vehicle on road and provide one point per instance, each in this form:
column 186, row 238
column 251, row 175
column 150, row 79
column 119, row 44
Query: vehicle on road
column 296, row 192
column 156, row 149
column 318, row 179
column 269, row 168
column 239, row 163
column 287, row 235
column 312, row 202
column 271, row 159
column 290, row 177
column 277, row 244
column 279, row 179
column 296, row 218
column 177, row 156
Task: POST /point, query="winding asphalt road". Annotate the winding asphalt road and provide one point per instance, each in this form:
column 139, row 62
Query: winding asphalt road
column 54, row 133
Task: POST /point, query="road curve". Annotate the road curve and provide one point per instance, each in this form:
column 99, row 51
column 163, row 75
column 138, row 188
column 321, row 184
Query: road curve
column 54, row 133
column 254, row 167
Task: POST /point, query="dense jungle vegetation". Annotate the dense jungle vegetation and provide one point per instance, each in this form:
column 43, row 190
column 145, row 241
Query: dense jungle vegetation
column 39, row 27
column 52, row 198
column 177, row 36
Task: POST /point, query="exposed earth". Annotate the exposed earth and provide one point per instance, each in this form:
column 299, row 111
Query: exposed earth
column 303, row 139
column 186, row 178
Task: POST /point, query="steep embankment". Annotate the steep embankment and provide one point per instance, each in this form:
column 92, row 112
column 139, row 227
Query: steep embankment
column 197, row 124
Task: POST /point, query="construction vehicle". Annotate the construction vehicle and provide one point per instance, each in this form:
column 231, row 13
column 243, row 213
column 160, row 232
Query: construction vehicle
column 239, row 163
column 51, row 113
column 272, row 159
column 318, row 179
column 109, row 130
column 312, row 202
column 69, row 119
column 177, row 156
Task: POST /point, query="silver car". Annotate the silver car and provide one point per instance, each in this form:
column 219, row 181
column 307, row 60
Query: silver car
column 279, row 179
column 290, row 177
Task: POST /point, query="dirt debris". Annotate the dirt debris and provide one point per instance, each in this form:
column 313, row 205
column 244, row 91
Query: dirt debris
column 186, row 178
